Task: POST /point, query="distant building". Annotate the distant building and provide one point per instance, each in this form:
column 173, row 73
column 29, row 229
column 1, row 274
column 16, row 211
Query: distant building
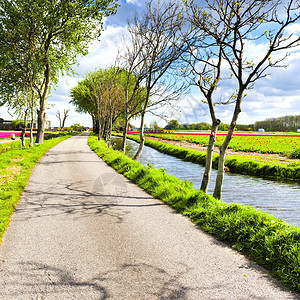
column 5, row 125
column 298, row 130
column 261, row 130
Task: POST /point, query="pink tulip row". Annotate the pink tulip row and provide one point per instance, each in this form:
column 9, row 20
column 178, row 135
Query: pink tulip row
column 221, row 134
column 6, row 134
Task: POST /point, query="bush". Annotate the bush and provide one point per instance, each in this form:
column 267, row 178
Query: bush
column 295, row 153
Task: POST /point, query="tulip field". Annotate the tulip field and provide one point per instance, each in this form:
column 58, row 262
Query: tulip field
column 262, row 143
column 7, row 134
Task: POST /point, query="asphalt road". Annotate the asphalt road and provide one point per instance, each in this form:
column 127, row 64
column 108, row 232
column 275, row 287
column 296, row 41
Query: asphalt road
column 82, row 231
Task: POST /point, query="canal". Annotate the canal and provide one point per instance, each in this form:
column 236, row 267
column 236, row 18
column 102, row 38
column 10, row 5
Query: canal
column 279, row 198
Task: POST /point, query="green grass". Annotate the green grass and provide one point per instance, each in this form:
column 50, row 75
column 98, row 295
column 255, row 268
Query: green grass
column 4, row 147
column 15, row 169
column 269, row 241
column 240, row 164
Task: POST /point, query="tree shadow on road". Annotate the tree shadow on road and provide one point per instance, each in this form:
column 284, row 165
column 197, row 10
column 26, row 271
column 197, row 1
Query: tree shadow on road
column 108, row 197
column 28, row 280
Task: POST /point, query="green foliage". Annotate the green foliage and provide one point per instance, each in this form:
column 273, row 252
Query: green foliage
column 268, row 240
column 103, row 92
column 50, row 32
column 17, row 124
column 295, row 153
column 41, row 40
column 282, row 124
column 173, row 124
column 77, row 127
column 12, row 183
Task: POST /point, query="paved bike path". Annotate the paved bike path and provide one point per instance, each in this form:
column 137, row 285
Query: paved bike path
column 82, row 231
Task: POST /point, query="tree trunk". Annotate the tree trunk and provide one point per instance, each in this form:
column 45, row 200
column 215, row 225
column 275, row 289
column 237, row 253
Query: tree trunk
column 23, row 133
column 99, row 128
column 221, row 163
column 125, row 134
column 220, row 175
column 142, row 138
column 41, row 125
column 31, row 130
column 64, row 118
column 95, row 125
column 108, row 135
column 209, row 156
column 42, row 110
column 31, row 115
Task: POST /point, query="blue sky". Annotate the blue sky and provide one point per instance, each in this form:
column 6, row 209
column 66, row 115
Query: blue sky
column 277, row 95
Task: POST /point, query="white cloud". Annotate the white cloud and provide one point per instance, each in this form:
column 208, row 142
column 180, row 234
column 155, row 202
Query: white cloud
column 293, row 29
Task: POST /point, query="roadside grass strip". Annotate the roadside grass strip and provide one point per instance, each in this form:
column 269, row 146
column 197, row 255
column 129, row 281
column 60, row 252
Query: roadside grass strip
column 15, row 169
column 267, row 240
column 235, row 164
column 4, row 147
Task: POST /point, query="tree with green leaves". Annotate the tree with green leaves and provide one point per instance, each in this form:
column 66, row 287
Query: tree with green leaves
column 52, row 34
column 172, row 124
column 101, row 94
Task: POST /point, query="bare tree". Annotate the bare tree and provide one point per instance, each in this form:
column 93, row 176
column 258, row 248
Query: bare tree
column 157, row 42
column 62, row 118
column 129, row 60
column 204, row 60
column 59, row 118
column 244, row 22
column 66, row 111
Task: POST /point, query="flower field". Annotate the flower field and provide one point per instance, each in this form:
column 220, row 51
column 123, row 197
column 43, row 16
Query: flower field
column 7, row 134
column 262, row 143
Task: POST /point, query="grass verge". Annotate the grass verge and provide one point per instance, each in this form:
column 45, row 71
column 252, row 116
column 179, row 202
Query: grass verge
column 11, row 145
column 15, row 169
column 238, row 165
column 269, row 241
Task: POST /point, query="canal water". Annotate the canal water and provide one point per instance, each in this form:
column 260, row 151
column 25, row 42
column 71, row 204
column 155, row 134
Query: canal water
column 279, row 198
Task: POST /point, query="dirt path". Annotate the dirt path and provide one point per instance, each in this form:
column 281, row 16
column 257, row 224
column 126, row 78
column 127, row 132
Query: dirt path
column 82, row 231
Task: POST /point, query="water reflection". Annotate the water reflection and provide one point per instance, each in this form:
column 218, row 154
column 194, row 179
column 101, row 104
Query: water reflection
column 279, row 198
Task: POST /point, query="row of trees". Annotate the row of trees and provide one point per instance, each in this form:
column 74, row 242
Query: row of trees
column 109, row 96
column 287, row 123
column 173, row 125
column 39, row 41
column 174, row 45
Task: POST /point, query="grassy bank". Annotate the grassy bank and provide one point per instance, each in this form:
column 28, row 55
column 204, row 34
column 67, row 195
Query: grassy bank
column 15, row 169
column 240, row 165
column 271, row 242
column 11, row 145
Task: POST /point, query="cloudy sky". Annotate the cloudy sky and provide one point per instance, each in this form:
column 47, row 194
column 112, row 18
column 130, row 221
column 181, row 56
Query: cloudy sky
column 275, row 96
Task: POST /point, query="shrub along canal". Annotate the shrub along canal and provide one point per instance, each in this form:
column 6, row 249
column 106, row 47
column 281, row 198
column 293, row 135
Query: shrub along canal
column 279, row 198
